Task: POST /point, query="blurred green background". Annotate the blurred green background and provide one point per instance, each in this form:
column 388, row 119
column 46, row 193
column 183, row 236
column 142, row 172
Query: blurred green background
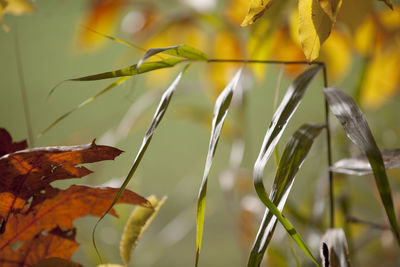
column 174, row 162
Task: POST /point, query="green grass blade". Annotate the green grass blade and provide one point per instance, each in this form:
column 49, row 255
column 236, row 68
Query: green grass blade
column 158, row 115
column 292, row 158
column 279, row 122
column 128, row 71
column 137, row 223
column 360, row 165
column 183, row 51
column 220, row 111
column 115, row 39
column 87, row 101
column 334, row 249
column 357, row 130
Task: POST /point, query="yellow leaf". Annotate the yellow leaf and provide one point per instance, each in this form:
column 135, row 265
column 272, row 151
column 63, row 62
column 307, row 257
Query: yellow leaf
column 256, row 10
column 314, row 28
column 382, row 77
column 331, row 8
column 137, row 223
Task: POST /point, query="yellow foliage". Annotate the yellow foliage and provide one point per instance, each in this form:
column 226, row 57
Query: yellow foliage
column 182, row 31
column 225, row 45
column 331, row 8
column 235, row 11
column 14, row 7
column 314, row 28
column 352, row 19
column 337, row 55
column 256, row 10
column 382, row 77
column 259, row 47
column 285, row 48
column 101, row 17
column 364, row 37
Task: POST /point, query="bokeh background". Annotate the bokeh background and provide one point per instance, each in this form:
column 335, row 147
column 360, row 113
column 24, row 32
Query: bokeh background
column 55, row 45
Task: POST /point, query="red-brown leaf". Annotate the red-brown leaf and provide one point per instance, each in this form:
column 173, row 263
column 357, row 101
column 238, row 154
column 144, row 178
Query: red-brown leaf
column 27, row 172
column 56, row 243
column 7, row 145
column 61, row 208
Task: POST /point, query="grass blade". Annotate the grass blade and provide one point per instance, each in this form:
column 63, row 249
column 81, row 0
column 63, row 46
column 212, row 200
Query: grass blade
column 292, row 158
column 87, row 101
column 334, row 249
column 158, row 115
column 357, row 130
column 115, row 39
column 360, row 165
column 128, row 71
column 184, row 51
column 220, row 111
column 280, row 119
column 137, row 223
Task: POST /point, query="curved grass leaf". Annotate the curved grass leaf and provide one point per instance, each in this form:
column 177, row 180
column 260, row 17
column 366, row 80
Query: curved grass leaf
column 115, row 39
column 128, row 71
column 292, row 158
column 161, row 109
column 334, row 249
column 137, row 223
column 87, row 101
column 220, row 111
column 184, row 51
column 280, row 119
column 360, row 165
column 357, row 130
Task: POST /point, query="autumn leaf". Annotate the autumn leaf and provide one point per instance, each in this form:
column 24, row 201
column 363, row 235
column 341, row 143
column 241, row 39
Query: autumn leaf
column 256, row 10
column 39, row 217
column 331, row 8
column 60, row 208
column 314, row 28
column 7, row 145
column 138, row 221
column 56, row 243
column 25, row 173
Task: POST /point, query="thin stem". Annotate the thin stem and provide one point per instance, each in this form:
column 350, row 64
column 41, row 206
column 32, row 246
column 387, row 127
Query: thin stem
column 329, row 154
column 214, row 60
column 23, row 89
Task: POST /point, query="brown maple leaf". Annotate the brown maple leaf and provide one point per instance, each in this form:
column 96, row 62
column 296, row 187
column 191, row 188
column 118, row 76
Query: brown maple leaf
column 25, row 173
column 56, row 243
column 7, row 145
column 61, row 208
